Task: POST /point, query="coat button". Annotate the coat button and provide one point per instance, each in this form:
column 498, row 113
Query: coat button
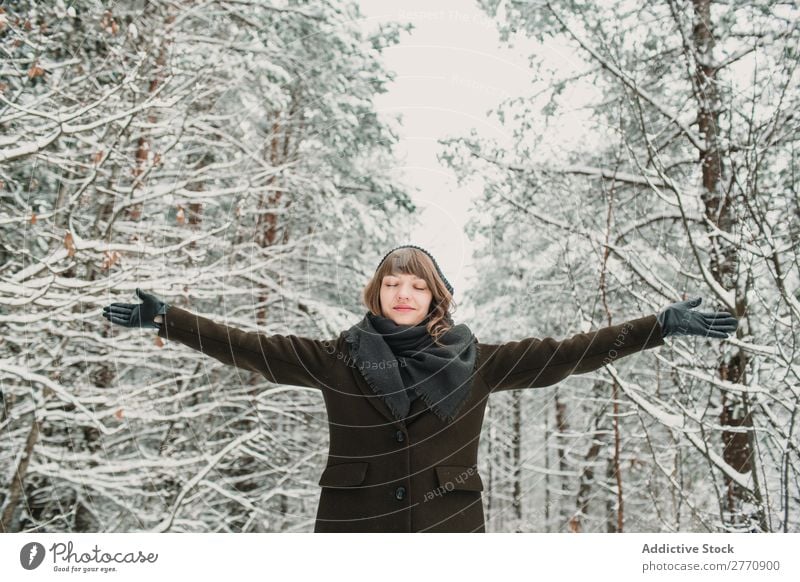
column 399, row 436
column 400, row 492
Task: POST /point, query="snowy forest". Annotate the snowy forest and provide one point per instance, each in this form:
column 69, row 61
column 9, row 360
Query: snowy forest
column 227, row 155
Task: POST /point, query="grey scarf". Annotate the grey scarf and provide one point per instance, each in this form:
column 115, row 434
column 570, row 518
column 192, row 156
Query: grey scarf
column 400, row 362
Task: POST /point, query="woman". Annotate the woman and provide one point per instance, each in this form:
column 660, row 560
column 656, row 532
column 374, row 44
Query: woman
column 405, row 389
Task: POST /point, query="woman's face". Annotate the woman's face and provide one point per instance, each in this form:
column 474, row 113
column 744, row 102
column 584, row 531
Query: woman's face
column 409, row 291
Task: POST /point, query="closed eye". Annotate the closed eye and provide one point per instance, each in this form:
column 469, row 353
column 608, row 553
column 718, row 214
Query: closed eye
column 417, row 288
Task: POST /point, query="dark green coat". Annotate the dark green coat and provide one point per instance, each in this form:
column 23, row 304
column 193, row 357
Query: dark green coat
column 420, row 474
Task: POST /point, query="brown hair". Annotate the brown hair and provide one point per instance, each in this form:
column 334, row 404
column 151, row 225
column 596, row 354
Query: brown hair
column 414, row 262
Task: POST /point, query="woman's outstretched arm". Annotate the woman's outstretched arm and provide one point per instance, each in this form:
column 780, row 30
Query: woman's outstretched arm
column 292, row 360
column 535, row 362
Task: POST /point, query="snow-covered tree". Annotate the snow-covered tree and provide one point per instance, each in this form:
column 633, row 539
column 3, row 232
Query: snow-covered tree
column 685, row 182
column 226, row 157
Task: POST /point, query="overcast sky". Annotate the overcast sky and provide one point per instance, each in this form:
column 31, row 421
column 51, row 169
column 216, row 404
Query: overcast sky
column 450, row 71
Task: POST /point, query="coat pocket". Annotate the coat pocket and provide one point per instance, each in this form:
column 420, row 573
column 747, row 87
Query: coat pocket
column 459, row 477
column 344, row 475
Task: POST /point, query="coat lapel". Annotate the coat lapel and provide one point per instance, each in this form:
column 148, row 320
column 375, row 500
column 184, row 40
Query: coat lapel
column 375, row 400
column 418, row 406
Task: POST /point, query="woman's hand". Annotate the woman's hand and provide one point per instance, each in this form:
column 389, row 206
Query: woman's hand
column 679, row 319
column 136, row 314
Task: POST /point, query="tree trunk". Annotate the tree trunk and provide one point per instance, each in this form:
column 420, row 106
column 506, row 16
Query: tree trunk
column 562, row 426
column 516, row 454
column 15, row 490
column 738, row 451
column 547, row 437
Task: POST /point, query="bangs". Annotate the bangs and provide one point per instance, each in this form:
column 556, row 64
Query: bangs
column 405, row 261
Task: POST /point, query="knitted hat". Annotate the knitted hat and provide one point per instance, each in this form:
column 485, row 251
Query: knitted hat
column 435, row 264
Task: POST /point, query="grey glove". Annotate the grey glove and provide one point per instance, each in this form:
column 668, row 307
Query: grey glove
column 679, row 319
column 136, row 314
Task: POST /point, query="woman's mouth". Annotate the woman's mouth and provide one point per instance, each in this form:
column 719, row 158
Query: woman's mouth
column 403, row 309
